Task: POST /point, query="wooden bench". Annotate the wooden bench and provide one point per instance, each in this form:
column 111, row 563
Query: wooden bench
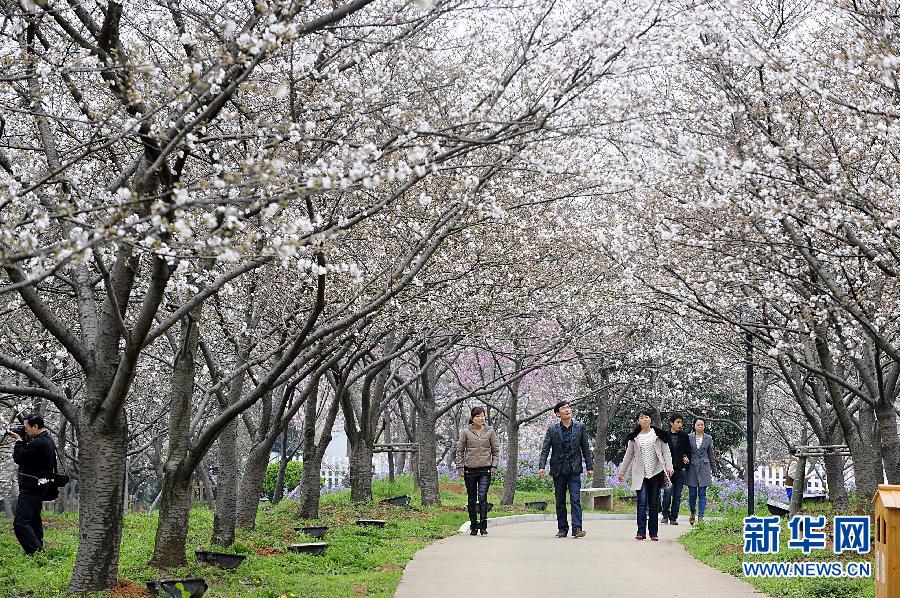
column 598, row 499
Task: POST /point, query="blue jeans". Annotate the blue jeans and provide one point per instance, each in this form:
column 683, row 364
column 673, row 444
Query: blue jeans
column 572, row 483
column 648, row 505
column 672, row 496
column 692, row 499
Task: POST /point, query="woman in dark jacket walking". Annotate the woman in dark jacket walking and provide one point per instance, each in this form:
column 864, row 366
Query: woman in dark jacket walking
column 477, row 458
column 699, row 475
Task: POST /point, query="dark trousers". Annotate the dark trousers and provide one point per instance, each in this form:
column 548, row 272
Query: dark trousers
column 477, row 482
column 27, row 524
column 572, row 483
column 672, row 496
column 648, row 506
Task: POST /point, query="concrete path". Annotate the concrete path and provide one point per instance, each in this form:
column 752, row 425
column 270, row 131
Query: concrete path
column 524, row 560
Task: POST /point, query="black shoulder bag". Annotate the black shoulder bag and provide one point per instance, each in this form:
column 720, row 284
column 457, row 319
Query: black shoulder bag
column 57, row 480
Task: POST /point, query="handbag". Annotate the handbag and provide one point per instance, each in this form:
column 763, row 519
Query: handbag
column 56, row 481
column 666, row 481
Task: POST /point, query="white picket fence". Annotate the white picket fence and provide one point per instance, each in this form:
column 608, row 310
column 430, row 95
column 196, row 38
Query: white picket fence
column 336, row 472
column 773, row 475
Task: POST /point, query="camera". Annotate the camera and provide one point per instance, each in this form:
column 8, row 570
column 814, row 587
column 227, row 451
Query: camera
column 20, row 430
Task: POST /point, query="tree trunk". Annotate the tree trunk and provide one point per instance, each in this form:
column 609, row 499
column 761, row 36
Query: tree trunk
column 171, row 532
column 102, row 470
column 889, row 441
column 360, row 470
column 834, row 465
column 313, row 454
column 282, row 467
column 427, row 462
column 8, row 503
column 512, row 461
column 251, row 484
column 427, row 436
column 225, row 519
column 62, row 502
column 414, row 462
column 175, row 497
column 601, row 434
column 209, row 496
column 388, row 439
column 310, row 486
column 834, row 476
column 126, row 494
column 866, row 464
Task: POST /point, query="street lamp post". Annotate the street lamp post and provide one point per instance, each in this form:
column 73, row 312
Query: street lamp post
column 751, row 460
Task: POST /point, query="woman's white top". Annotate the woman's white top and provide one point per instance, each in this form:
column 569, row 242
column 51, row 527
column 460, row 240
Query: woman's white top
column 647, row 445
column 699, row 440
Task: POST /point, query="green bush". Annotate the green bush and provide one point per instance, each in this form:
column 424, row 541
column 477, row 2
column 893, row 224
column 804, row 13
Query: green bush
column 291, row 477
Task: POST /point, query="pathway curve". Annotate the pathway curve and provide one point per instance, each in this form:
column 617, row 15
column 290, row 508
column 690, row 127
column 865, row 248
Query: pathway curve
column 524, row 560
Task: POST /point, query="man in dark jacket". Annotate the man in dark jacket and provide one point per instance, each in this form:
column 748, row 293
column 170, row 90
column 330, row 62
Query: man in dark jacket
column 36, row 455
column 570, row 446
column 680, row 446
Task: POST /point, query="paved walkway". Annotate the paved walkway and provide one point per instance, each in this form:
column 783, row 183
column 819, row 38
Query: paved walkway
column 524, row 560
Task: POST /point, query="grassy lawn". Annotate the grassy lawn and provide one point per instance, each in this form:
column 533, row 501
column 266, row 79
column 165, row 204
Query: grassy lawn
column 359, row 561
column 720, row 544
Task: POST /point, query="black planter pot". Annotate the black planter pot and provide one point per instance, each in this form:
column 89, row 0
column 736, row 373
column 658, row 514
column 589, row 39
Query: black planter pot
column 780, row 509
column 169, row 587
column 220, row 559
column 309, row 548
column 540, row 505
column 316, row 531
column 399, row 501
column 371, row 522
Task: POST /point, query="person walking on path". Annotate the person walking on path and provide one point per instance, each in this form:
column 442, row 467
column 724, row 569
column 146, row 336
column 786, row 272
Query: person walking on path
column 680, row 447
column 649, row 461
column 699, row 475
column 477, row 458
column 569, row 445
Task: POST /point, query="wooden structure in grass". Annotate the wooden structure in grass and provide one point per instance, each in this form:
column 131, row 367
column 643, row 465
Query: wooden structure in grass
column 887, row 541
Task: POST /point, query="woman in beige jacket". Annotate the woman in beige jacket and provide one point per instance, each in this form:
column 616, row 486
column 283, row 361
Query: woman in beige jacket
column 649, row 461
column 477, row 457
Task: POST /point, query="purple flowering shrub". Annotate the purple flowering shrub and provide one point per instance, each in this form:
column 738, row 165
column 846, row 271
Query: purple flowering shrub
column 730, row 496
column 527, row 477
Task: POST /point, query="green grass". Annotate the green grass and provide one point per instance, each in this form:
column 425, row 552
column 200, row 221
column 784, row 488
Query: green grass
column 720, row 544
column 359, row 561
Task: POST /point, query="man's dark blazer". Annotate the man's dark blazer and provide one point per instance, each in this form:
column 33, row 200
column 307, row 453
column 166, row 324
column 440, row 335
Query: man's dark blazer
column 581, row 450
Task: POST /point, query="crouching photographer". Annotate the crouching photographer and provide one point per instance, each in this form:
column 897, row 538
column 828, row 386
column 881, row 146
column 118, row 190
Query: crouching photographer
column 35, row 453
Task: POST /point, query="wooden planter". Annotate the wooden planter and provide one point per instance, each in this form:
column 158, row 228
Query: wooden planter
column 220, row 559
column 315, row 531
column 314, row 548
column 169, row 587
column 371, row 522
